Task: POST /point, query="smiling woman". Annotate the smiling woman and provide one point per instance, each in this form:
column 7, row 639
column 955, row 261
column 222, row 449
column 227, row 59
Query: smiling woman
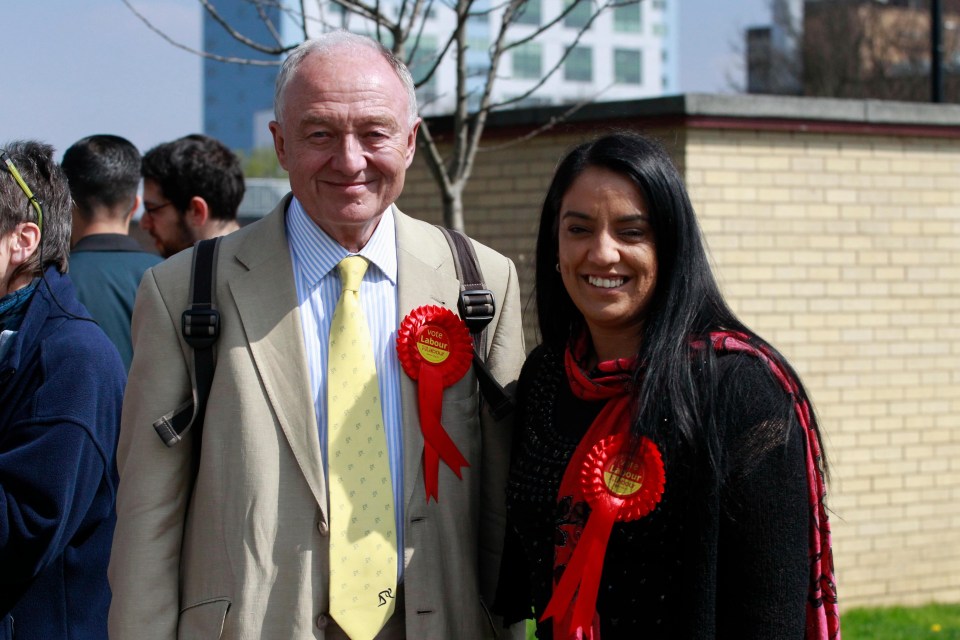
column 666, row 479
column 607, row 258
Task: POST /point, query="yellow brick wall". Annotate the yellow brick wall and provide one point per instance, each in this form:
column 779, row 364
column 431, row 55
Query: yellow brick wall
column 503, row 199
column 844, row 251
column 502, row 203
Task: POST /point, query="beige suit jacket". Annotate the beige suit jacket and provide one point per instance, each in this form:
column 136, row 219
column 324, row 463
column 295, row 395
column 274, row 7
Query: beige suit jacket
column 248, row 557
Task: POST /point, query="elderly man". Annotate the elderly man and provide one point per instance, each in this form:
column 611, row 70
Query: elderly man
column 326, row 502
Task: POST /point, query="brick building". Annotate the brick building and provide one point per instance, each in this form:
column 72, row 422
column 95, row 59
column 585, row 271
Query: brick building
column 835, row 230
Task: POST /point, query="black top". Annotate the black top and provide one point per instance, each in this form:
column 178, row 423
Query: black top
column 723, row 555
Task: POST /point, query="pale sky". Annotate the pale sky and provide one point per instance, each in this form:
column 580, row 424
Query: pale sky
column 78, row 67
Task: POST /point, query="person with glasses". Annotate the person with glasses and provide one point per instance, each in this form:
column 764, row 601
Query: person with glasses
column 61, row 391
column 192, row 189
column 106, row 264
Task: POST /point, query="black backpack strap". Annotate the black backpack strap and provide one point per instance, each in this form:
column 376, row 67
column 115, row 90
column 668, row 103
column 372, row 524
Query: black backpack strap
column 477, row 308
column 476, row 304
column 200, row 326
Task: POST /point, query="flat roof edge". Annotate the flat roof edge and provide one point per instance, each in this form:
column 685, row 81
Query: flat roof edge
column 876, row 112
column 752, row 107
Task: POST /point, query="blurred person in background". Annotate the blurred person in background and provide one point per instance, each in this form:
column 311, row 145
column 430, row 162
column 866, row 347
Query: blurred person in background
column 192, row 190
column 61, row 388
column 106, row 264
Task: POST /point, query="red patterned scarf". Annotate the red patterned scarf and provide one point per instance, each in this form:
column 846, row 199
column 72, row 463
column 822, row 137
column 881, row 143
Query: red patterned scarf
column 823, row 616
column 577, row 574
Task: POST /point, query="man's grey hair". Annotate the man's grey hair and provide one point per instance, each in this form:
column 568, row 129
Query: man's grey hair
column 326, row 43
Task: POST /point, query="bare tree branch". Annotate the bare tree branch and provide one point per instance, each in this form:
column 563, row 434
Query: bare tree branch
column 402, row 28
column 239, row 37
column 303, row 19
column 553, row 70
column 261, row 8
column 549, row 124
column 202, row 54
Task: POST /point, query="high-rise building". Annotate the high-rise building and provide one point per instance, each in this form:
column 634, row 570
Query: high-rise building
column 233, row 91
column 627, row 52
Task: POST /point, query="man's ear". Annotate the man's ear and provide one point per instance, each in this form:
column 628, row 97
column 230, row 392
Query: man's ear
column 412, row 141
column 77, row 225
column 198, row 213
column 279, row 143
column 24, row 241
column 133, row 209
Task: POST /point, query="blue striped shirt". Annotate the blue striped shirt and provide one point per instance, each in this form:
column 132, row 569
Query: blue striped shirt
column 315, row 257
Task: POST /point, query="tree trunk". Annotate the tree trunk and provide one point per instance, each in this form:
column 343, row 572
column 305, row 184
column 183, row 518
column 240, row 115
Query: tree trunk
column 453, row 210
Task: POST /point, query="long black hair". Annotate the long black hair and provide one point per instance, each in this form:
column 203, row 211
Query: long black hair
column 686, row 304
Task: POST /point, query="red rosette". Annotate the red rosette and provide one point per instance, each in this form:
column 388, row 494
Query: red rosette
column 630, row 488
column 435, row 336
column 619, row 488
column 435, row 350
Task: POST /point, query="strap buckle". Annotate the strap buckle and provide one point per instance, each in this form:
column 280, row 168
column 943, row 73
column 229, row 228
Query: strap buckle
column 477, row 308
column 200, row 327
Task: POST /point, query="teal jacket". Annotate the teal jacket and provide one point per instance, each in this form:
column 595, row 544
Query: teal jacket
column 106, row 269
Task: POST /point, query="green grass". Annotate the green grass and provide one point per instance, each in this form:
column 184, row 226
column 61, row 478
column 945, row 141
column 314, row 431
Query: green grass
column 929, row 622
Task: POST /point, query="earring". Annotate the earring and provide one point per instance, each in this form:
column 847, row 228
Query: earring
column 557, row 267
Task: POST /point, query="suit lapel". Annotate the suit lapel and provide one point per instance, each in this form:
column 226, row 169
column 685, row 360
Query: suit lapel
column 269, row 312
column 420, row 258
column 266, row 300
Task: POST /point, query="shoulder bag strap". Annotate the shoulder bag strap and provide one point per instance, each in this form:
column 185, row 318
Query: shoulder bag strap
column 477, row 308
column 200, row 326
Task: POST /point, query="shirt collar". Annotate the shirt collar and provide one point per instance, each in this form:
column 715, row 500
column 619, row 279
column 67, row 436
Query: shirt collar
column 317, row 253
column 107, row 242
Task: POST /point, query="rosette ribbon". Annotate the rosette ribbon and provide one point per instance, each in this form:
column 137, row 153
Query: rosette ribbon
column 617, row 489
column 435, row 350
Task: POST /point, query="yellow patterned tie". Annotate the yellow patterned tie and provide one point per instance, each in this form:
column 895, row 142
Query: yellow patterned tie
column 363, row 542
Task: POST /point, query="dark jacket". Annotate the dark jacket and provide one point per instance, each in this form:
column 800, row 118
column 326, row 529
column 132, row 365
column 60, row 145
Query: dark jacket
column 723, row 554
column 61, row 389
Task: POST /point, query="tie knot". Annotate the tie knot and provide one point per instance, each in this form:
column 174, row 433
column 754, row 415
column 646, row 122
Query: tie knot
column 351, row 271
